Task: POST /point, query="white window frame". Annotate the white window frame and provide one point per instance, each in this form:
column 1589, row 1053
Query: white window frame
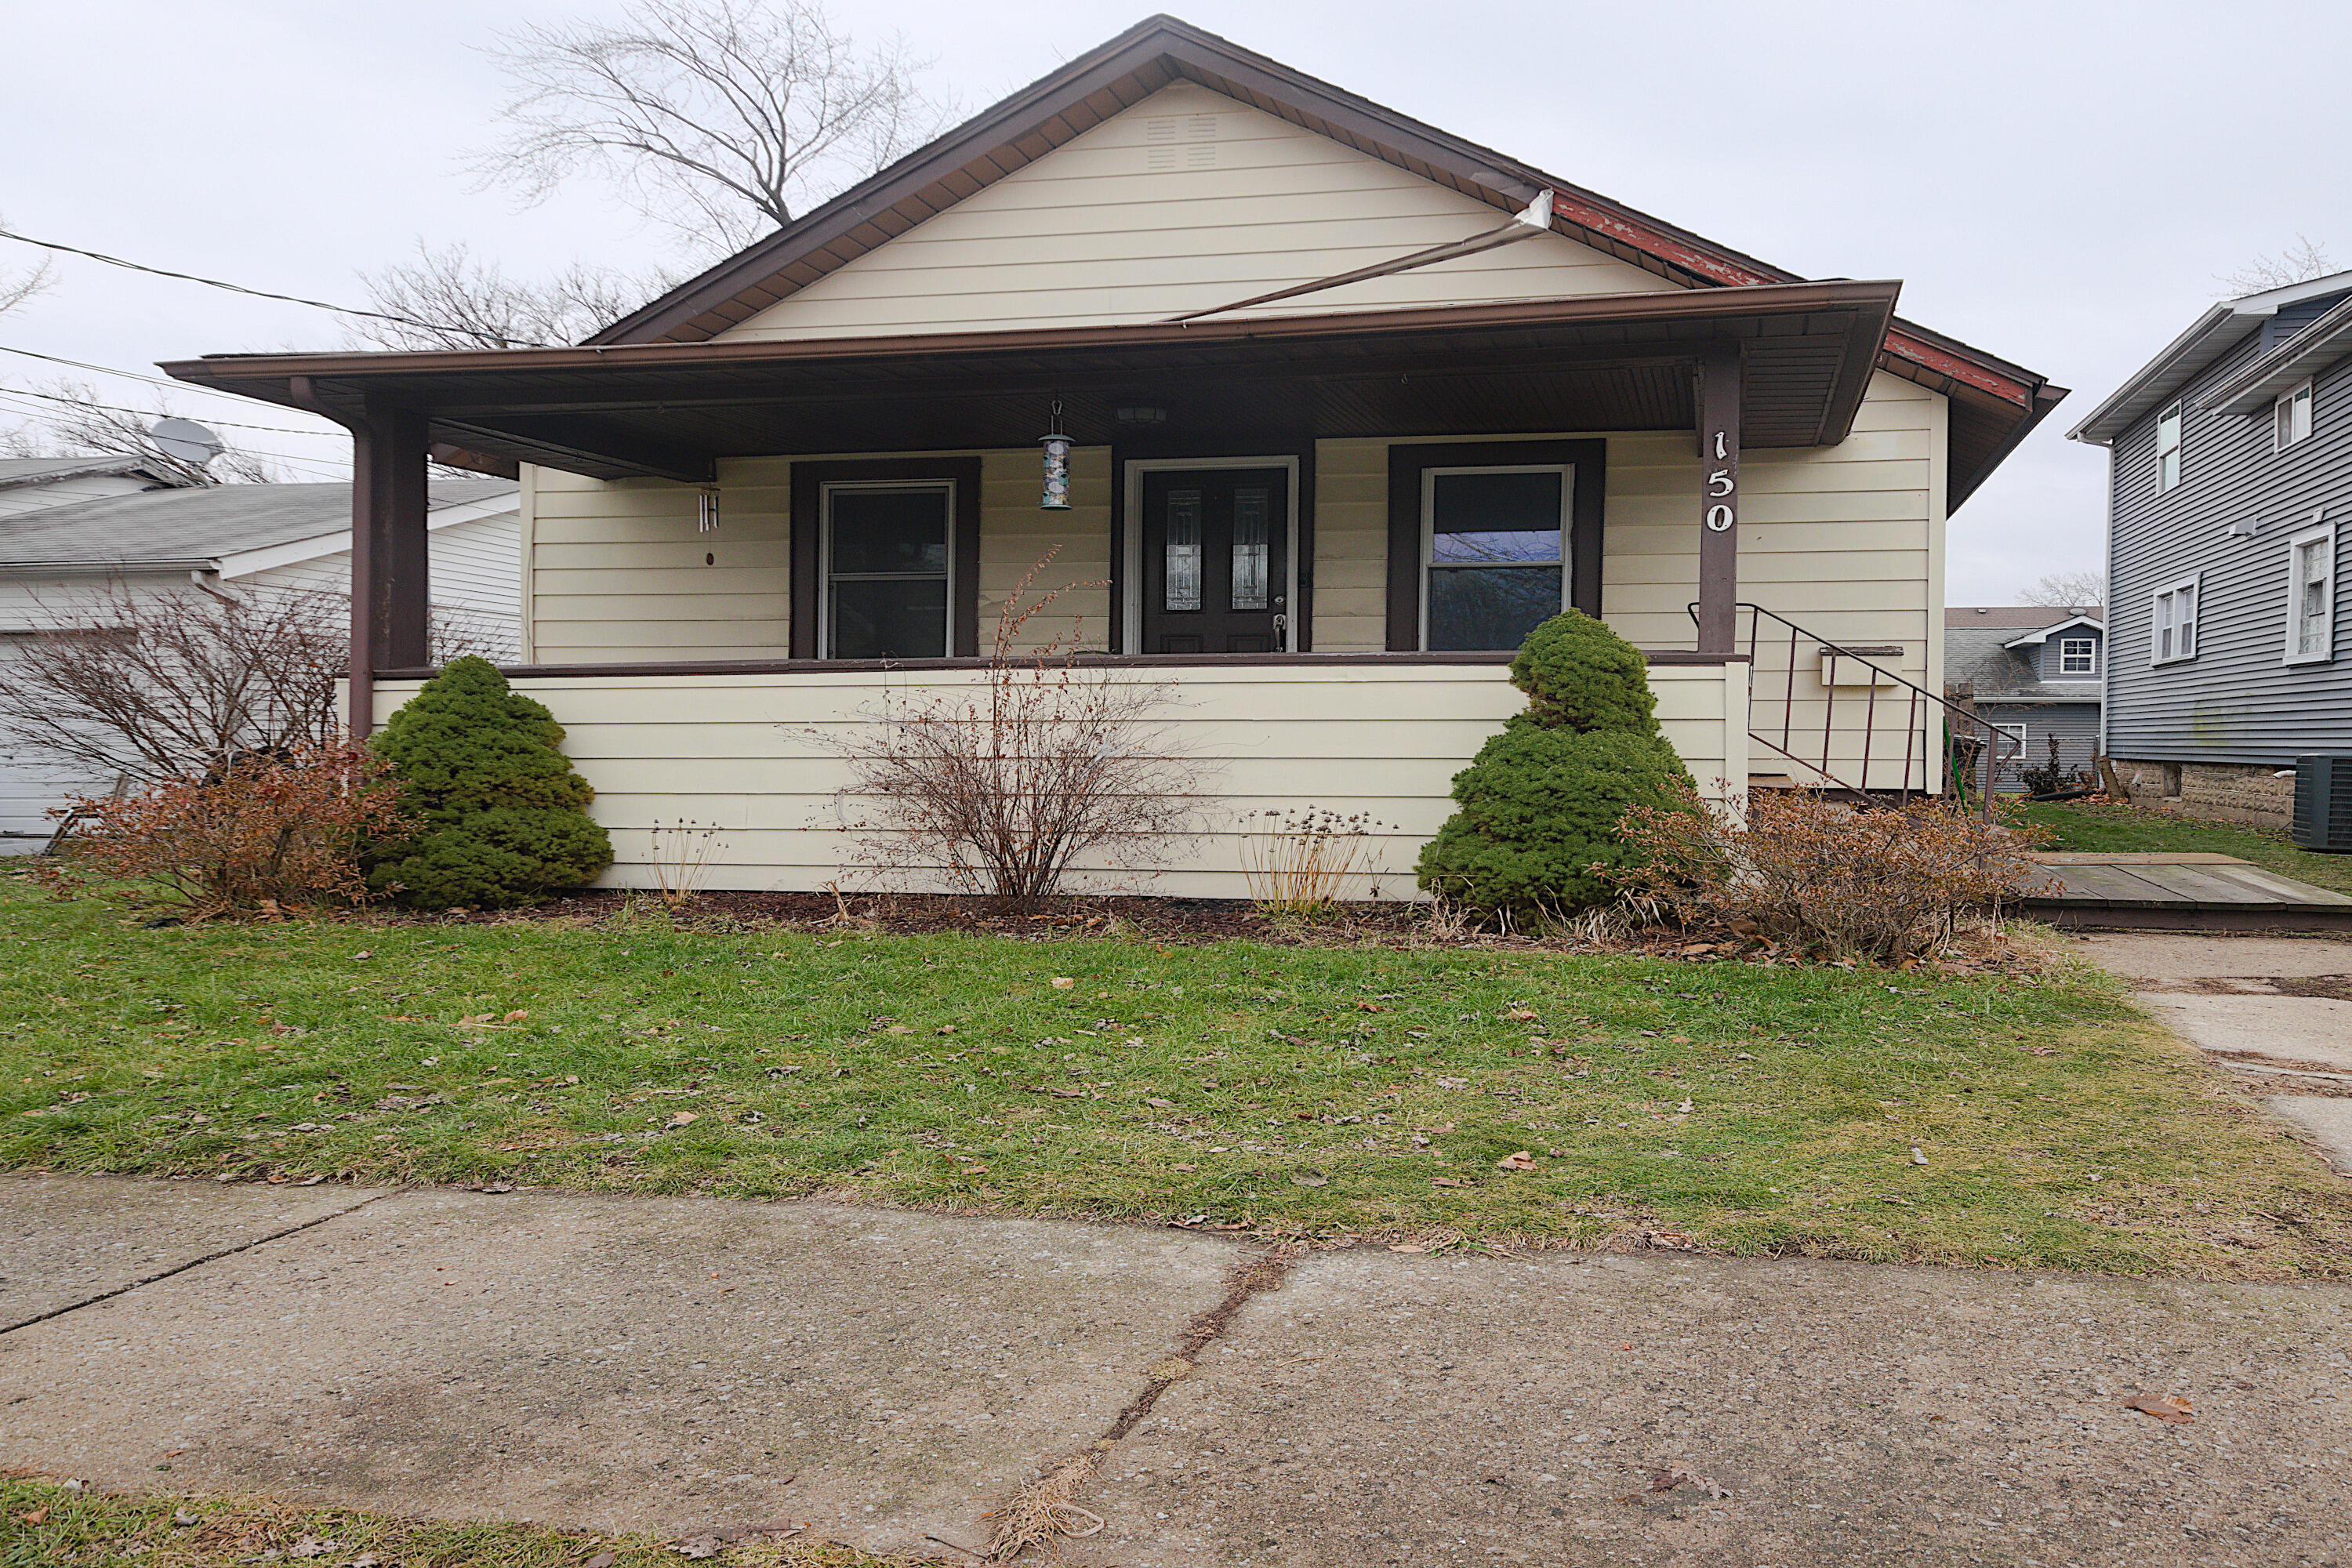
column 1429, row 478
column 2161, row 619
column 2090, row 643
column 2321, row 542
column 2293, row 408
column 2167, row 480
column 945, row 488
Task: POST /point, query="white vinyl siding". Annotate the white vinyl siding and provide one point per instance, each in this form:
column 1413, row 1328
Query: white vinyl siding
column 2174, row 611
column 745, row 753
column 1185, row 202
column 2311, row 597
column 2291, row 418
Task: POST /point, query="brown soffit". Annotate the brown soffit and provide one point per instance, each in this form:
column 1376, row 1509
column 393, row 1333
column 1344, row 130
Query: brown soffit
column 1161, row 49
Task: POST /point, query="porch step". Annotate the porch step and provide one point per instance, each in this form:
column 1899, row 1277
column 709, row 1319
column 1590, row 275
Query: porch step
column 1770, row 781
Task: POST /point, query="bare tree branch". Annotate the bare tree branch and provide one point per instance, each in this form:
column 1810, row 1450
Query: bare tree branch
column 16, row 288
column 481, row 308
column 717, row 118
column 2301, row 262
column 2084, row 590
column 82, row 427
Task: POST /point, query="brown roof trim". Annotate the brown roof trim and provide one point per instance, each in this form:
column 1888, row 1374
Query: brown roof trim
column 1148, row 56
column 1683, row 305
column 1157, row 51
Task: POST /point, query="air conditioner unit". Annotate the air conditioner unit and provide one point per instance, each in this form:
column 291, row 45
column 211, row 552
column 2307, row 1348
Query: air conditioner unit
column 2323, row 803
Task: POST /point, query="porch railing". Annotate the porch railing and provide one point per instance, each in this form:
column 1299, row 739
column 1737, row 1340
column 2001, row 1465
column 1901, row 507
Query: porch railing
column 1967, row 743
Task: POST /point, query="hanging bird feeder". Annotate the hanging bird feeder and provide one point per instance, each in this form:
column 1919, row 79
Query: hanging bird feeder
column 1056, row 497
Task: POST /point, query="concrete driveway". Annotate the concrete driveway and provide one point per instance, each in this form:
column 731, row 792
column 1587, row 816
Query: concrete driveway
column 686, row 1366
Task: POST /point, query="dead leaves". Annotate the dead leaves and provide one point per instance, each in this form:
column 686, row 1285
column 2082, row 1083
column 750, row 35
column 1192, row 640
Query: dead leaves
column 2172, row 1408
column 1522, row 1160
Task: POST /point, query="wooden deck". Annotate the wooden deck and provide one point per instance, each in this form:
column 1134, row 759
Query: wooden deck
column 2088, row 889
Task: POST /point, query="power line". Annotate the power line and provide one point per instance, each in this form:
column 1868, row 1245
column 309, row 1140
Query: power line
column 135, row 375
column 266, row 294
column 318, row 464
column 153, row 413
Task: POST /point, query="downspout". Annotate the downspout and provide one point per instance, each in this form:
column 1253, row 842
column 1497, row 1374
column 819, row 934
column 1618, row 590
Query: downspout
column 208, row 578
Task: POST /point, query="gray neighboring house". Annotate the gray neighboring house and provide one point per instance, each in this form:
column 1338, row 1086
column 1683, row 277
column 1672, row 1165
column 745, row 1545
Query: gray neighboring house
column 36, row 484
column 117, row 527
column 2034, row 670
column 2229, row 484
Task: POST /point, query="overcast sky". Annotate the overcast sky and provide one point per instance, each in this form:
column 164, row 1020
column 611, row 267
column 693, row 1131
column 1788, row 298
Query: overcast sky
column 2058, row 182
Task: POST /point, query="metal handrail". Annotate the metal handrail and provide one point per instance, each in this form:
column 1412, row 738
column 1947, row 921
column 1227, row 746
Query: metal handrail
column 1920, row 705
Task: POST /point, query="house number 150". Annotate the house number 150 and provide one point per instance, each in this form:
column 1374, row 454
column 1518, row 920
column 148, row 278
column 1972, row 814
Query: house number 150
column 1720, row 488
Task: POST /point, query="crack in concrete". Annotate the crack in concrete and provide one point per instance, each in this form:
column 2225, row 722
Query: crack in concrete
column 1042, row 1500
column 55, row 1312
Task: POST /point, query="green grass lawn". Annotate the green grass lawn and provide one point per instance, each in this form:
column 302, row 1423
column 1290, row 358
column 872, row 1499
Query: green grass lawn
column 1328, row 1091
column 2074, row 824
column 43, row 1522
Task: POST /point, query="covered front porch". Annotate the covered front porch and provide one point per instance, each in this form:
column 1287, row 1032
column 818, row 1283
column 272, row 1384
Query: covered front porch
column 1321, row 535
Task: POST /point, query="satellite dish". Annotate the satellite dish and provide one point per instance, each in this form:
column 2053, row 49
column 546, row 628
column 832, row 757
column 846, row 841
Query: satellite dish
column 186, row 440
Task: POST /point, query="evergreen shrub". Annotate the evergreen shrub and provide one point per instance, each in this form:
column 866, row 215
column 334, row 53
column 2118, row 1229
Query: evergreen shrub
column 504, row 814
column 1541, row 804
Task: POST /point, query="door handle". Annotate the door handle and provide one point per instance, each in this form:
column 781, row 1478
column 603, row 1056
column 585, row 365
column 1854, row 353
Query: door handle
column 1281, row 623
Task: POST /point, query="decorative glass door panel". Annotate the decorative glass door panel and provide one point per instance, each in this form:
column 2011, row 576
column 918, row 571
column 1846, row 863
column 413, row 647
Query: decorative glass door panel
column 1216, row 561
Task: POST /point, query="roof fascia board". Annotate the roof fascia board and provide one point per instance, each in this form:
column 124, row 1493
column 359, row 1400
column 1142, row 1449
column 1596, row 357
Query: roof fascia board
column 117, row 567
column 1771, row 300
column 2316, row 346
column 2271, row 300
column 2034, row 638
column 2213, row 334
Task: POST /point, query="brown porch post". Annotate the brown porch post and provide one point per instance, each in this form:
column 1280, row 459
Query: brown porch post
column 389, row 587
column 1719, row 535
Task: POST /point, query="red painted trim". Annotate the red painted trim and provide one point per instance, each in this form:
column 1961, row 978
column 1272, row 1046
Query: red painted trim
column 1649, row 241
column 2008, row 389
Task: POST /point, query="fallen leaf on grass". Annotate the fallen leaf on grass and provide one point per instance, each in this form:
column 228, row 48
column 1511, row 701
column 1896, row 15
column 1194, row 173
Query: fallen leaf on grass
column 1062, row 982
column 36, row 1517
column 701, row 1547
column 1449, row 1182
column 680, row 1118
column 1522, row 1161
column 1309, row 1179
column 1916, row 1157
column 1184, row 1167
column 601, row 1559
column 2171, row 1408
column 1520, row 1015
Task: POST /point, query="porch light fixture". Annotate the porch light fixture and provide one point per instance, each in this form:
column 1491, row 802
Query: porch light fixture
column 706, row 512
column 1058, row 466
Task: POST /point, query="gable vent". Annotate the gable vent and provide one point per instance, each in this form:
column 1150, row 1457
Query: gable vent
column 1188, row 141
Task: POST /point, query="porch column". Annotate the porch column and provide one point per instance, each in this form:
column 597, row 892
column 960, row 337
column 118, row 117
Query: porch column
column 1718, row 535
column 389, row 590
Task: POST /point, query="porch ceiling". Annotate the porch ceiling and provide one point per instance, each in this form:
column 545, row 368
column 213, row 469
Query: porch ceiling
column 672, row 410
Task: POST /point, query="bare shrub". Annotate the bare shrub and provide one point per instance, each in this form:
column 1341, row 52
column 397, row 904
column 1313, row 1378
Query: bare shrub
column 1000, row 788
column 1305, row 862
column 1847, row 882
column 162, row 685
column 262, row 833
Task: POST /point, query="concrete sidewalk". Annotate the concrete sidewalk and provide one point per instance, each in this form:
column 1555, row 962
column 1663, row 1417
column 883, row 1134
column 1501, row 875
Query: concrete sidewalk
column 2276, row 1010
column 684, row 1365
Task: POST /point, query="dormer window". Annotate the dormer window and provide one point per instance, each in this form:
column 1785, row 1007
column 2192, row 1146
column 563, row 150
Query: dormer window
column 2078, row 657
column 2168, row 448
column 2291, row 418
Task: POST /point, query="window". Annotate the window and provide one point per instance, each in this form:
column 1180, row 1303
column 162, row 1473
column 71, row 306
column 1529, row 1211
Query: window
column 2174, row 634
column 887, row 570
column 2311, row 597
column 2168, row 448
column 2078, row 657
column 2291, row 418
column 1493, row 563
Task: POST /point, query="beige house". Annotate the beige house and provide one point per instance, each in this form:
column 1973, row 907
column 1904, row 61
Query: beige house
column 1350, row 403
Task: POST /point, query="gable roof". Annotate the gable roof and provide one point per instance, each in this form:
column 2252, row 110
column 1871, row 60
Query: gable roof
column 2215, row 333
column 2042, row 634
column 194, row 529
column 1995, row 403
column 1993, row 668
column 16, row 472
column 2007, row 617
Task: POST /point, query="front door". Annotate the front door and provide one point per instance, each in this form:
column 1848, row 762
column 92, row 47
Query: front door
column 1216, row 560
